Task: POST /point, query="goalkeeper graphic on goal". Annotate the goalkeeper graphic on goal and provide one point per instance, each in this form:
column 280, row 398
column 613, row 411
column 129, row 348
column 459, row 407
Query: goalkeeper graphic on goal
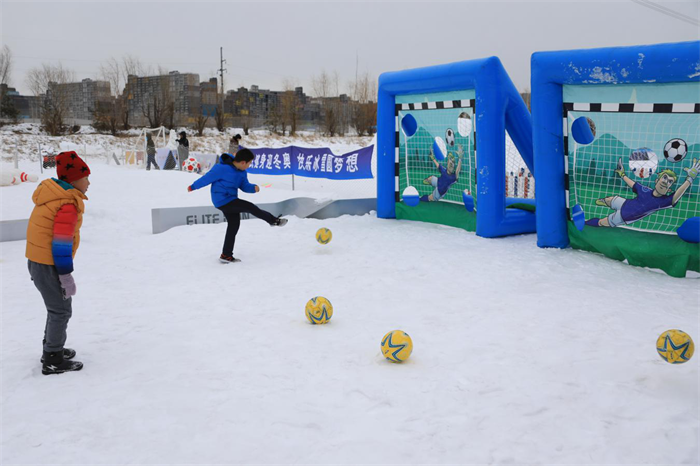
column 647, row 201
column 448, row 176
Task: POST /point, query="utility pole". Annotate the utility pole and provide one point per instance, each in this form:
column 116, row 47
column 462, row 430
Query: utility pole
column 221, row 74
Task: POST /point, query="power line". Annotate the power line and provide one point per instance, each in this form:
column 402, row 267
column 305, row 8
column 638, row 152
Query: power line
column 668, row 12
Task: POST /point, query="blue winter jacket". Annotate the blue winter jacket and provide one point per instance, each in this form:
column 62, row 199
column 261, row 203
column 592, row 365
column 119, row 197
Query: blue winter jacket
column 225, row 181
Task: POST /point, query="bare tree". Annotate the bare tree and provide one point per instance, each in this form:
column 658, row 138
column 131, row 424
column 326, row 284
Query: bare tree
column 167, row 98
column 133, row 66
column 326, row 87
column 201, row 122
column 7, row 104
column 219, row 116
column 5, row 65
column 526, row 95
column 158, row 107
column 364, row 105
column 49, row 82
column 153, row 110
column 274, row 120
column 130, row 66
column 109, row 116
column 246, row 122
column 290, row 107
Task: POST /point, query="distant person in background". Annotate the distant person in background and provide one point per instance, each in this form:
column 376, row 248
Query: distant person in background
column 183, row 148
column 151, row 152
column 234, row 144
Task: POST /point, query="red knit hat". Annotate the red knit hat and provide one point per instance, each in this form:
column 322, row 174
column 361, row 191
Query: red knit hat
column 70, row 167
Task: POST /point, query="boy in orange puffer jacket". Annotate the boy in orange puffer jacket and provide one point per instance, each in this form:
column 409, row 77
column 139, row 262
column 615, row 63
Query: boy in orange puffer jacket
column 53, row 236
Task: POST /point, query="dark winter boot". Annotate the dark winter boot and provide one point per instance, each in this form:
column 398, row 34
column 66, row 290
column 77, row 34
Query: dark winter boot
column 280, row 222
column 55, row 364
column 68, row 353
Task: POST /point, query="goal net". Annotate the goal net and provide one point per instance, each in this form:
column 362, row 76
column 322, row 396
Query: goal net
column 439, row 158
column 519, row 180
column 632, row 174
column 136, row 155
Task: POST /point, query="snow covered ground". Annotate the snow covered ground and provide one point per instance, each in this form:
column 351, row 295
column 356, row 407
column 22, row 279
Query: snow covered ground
column 521, row 355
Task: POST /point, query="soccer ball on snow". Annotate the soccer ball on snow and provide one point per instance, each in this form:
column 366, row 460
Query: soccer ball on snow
column 675, row 346
column 191, row 165
column 450, row 137
column 397, row 346
column 675, row 150
column 319, row 310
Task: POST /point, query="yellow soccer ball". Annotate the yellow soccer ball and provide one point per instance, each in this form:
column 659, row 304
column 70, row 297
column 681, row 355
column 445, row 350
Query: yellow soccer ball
column 675, row 346
column 397, row 346
column 324, row 235
column 319, row 310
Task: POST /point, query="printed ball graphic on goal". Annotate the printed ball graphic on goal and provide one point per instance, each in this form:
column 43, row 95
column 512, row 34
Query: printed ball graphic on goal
column 643, row 162
column 324, row 235
column 675, row 346
column 191, row 165
column 319, row 310
column 397, row 346
column 439, row 148
column 450, row 137
column 410, row 196
column 675, row 150
column 464, row 124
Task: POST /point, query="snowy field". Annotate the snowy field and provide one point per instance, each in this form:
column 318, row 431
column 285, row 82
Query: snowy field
column 521, row 355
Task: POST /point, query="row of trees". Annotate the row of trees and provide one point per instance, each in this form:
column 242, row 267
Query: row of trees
column 360, row 111
column 338, row 114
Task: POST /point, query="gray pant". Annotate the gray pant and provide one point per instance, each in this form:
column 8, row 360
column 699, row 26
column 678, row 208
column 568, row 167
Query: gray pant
column 183, row 154
column 45, row 279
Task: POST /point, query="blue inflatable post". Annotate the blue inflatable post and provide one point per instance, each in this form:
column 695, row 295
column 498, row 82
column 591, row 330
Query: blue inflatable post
column 498, row 107
column 664, row 63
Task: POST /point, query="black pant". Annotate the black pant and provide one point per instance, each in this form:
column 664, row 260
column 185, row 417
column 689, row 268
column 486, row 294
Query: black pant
column 232, row 211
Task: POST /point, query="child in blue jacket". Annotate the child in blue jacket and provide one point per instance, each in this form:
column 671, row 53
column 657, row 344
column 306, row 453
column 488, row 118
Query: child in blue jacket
column 226, row 178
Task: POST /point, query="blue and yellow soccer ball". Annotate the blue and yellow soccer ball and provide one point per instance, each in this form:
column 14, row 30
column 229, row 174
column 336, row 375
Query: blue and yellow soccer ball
column 324, row 235
column 675, row 346
column 319, row 310
column 397, row 346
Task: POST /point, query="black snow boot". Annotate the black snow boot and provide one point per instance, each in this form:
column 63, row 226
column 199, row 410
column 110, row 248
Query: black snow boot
column 68, row 353
column 55, row 364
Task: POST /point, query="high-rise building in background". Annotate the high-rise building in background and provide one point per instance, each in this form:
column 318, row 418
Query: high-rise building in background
column 81, row 99
column 154, row 100
column 209, row 94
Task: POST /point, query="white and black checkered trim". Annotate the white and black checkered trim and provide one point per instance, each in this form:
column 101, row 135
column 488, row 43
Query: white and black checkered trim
column 613, row 108
column 463, row 103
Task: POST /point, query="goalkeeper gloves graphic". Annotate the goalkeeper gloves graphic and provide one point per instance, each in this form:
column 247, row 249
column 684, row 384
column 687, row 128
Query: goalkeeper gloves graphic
column 620, row 170
column 693, row 171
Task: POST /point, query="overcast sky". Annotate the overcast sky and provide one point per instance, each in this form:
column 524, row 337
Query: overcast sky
column 266, row 42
